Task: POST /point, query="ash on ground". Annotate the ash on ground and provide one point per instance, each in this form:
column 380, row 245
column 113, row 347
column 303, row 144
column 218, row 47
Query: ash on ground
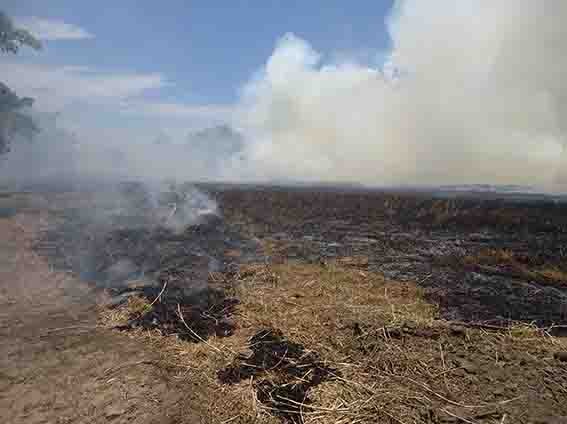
column 139, row 238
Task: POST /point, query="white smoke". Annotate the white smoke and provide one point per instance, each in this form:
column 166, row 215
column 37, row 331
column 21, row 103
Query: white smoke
column 473, row 92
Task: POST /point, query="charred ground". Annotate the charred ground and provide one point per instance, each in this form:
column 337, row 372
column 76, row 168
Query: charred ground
column 478, row 257
column 297, row 305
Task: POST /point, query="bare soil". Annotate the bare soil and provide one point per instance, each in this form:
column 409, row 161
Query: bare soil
column 56, row 366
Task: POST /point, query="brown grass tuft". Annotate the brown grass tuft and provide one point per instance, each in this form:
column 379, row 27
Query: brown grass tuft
column 492, row 257
column 553, row 274
column 516, row 265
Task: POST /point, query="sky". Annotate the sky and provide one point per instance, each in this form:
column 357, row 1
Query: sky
column 135, row 68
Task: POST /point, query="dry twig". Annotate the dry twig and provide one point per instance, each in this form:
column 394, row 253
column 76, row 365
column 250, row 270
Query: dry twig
column 160, row 293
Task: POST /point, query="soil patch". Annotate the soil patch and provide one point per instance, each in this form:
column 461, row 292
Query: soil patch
column 57, row 366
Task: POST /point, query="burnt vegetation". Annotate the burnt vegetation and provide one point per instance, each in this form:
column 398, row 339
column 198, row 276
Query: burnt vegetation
column 294, row 372
column 479, row 257
column 333, row 306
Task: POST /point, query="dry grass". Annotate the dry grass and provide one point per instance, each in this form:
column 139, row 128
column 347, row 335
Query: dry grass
column 553, row 274
column 313, row 304
column 394, row 361
column 492, row 257
column 516, row 265
column 134, row 307
column 197, row 364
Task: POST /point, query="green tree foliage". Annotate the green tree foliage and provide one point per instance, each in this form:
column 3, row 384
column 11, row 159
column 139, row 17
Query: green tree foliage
column 12, row 38
column 12, row 118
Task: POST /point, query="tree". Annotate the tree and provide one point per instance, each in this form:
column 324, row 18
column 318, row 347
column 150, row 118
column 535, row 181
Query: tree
column 12, row 120
column 12, row 38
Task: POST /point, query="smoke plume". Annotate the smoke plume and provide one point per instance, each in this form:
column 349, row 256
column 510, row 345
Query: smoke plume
column 472, row 92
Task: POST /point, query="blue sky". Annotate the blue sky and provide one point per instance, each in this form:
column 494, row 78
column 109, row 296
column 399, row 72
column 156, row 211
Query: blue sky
column 187, row 57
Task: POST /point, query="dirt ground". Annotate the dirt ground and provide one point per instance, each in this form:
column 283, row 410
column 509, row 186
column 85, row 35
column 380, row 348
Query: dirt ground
column 56, row 366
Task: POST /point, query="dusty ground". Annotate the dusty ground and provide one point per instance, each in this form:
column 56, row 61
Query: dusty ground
column 56, row 366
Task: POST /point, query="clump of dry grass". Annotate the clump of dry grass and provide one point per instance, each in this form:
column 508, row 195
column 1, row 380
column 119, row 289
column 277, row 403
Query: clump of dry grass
column 553, row 274
column 134, row 307
column 492, row 257
column 516, row 265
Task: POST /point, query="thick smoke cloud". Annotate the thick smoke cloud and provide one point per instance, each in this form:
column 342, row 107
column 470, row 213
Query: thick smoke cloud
column 57, row 153
column 473, row 92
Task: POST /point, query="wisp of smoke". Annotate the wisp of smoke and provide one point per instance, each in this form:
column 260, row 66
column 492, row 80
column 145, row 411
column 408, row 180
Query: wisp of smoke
column 473, row 92
column 146, row 204
column 177, row 206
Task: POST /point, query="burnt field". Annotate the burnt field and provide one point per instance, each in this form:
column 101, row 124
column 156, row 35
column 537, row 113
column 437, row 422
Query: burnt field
column 480, row 258
column 298, row 305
